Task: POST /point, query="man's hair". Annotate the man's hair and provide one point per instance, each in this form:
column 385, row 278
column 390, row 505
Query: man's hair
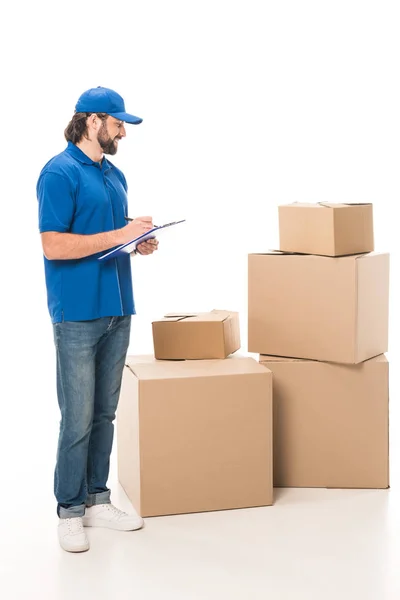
column 77, row 127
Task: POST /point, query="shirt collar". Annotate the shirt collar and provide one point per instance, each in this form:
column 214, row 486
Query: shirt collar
column 85, row 159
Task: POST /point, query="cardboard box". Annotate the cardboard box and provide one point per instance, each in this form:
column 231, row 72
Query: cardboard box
column 326, row 229
column 182, row 336
column 331, row 309
column 195, row 435
column 330, row 423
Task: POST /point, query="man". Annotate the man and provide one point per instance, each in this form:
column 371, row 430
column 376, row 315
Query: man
column 83, row 212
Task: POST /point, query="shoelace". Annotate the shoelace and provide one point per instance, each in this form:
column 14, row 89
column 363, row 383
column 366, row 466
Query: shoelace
column 75, row 525
column 116, row 511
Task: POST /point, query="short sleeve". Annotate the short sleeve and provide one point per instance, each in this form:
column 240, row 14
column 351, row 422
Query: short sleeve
column 56, row 202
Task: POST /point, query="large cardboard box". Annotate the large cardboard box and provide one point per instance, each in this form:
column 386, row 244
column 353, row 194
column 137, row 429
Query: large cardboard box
column 214, row 334
column 327, row 229
column 195, row 435
column 330, row 309
column 330, row 423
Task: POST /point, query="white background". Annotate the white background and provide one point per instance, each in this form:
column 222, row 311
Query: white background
column 245, row 105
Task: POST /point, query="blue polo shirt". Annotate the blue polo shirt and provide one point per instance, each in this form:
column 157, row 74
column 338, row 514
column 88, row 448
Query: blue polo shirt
column 78, row 195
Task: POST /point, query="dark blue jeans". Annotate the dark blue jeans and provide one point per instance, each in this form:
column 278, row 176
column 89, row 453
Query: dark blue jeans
column 90, row 361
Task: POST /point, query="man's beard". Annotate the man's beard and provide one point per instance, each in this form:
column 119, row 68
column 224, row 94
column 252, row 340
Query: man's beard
column 108, row 145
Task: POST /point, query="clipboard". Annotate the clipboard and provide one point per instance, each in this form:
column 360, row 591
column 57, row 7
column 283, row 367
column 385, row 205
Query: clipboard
column 129, row 247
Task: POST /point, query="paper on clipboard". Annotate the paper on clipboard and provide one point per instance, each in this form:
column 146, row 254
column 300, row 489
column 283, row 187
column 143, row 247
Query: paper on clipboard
column 129, row 247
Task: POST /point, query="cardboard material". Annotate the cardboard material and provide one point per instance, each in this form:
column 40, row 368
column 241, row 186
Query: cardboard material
column 195, row 435
column 330, row 423
column 326, row 229
column 214, row 334
column 330, row 309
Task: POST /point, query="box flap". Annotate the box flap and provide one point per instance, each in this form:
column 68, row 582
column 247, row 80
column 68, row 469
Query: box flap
column 287, row 253
column 214, row 315
column 325, row 204
column 316, row 256
column 269, row 253
column 174, row 317
column 224, row 314
column 270, row 358
column 343, row 204
column 180, row 315
column 267, row 358
column 148, row 368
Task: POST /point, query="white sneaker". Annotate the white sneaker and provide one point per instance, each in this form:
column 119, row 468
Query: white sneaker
column 72, row 536
column 107, row 515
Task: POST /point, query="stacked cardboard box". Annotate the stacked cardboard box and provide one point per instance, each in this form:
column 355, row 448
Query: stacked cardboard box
column 195, row 424
column 318, row 317
column 195, row 428
column 188, row 336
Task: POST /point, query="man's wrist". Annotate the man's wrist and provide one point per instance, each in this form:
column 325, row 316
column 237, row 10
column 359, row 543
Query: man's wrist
column 118, row 236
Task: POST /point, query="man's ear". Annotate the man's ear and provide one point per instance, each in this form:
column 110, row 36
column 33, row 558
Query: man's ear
column 92, row 122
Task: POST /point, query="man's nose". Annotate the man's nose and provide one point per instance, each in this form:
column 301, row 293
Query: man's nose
column 122, row 131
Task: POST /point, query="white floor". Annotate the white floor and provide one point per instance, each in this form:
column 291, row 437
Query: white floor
column 311, row 545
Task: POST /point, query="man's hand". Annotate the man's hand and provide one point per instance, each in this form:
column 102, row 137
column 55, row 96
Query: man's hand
column 136, row 228
column 147, row 247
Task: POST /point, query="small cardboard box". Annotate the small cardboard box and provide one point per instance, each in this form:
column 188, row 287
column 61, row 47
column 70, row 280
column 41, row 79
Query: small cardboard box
column 326, row 229
column 195, row 435
column 207, row 335
column 331, row 423
column 329, row 309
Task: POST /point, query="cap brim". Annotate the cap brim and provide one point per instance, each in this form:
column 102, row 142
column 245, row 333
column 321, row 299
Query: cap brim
column 131, row 119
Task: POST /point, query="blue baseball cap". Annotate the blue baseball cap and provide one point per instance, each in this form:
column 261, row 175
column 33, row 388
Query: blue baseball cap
column 104, row 100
